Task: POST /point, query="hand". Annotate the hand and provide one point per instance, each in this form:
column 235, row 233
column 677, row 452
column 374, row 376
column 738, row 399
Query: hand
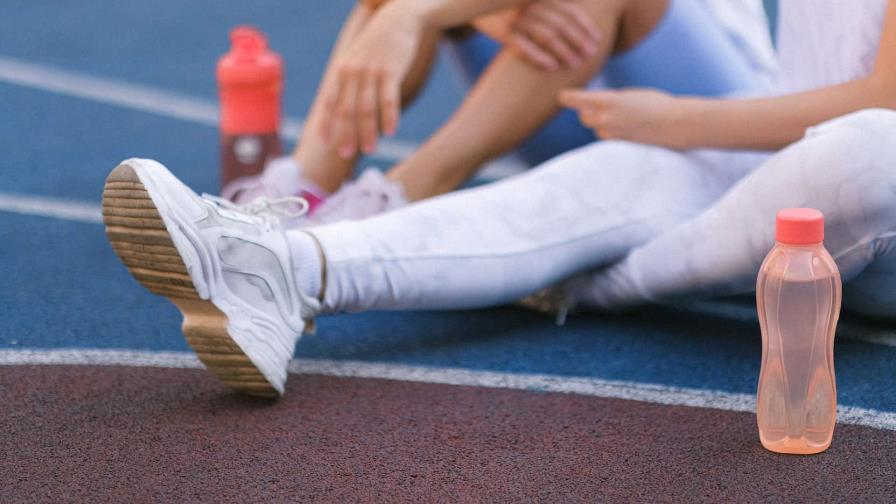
column 361, row 96
column 553, row 34
column 638, row 115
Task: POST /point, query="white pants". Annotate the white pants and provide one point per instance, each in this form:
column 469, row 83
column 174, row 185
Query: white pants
column 626, row 224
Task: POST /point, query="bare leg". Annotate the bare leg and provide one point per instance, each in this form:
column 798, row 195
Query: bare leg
column 320, row 163
column 512, row 100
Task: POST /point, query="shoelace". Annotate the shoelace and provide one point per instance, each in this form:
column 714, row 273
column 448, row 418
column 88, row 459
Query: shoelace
column 265, row 208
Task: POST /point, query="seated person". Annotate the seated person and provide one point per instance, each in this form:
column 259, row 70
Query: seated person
column 386, row 50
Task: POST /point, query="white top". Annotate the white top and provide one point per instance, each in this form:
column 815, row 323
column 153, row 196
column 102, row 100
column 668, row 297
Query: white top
column 827, row 42
column 746, row 25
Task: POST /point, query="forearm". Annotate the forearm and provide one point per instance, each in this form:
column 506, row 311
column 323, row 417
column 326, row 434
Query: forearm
column 774, row 122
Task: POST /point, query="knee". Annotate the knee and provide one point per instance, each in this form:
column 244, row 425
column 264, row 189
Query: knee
column 849, row 165
column 869, row 131
column 876, row 121
column 857, row 150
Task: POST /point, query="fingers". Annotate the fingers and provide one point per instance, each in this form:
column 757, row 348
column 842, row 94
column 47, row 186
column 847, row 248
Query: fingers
column 581, row 30
column 554, row 33
column 367, row 112
column 533, row 52
column 594, row 108
column 332, row 87
column 389, row 103
column 357, row 104
column 378, row 107
column 581, row 98
column 588, row 118
column 546, row 36
column 570, row 23
column 601, row 122
column 345, row 133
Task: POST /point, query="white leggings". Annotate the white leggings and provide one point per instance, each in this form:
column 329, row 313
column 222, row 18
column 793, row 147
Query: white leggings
column 626, row 224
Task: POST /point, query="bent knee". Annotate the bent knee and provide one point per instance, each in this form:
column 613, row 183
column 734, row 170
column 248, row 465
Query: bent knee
column 856, row 148
column 873, row 118
column 850, row 163
column 869, row 130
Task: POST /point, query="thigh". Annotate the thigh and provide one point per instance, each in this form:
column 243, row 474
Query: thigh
column 584, row 208
column 843, row 167
column 499, row 242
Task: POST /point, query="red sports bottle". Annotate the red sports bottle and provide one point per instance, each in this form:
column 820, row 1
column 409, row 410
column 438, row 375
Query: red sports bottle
column 798, row 294
column 250, row 80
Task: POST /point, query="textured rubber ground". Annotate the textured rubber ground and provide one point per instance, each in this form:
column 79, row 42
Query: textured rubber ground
column 137, row 233
column 86, row 434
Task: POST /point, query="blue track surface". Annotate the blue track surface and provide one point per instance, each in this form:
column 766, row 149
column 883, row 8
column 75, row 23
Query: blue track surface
column 174, row 45
column 64, row 288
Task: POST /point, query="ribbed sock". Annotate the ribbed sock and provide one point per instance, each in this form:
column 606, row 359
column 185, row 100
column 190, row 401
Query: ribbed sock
column 305, row 262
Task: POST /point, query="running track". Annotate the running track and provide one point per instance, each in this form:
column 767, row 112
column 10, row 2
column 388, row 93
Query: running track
column 101, row 398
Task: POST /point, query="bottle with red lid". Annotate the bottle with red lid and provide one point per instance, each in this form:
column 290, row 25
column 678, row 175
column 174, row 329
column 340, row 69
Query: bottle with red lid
column 250, row 82
column 798, row 296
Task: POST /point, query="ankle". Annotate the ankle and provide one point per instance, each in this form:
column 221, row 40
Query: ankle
column 307, row 263
column 417, row 184
column 322, row 168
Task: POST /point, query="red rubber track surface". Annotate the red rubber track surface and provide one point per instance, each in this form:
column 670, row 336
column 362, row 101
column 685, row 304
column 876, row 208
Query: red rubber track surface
column 75, row 433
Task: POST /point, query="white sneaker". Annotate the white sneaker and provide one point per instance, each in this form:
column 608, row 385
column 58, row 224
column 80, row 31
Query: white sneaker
column 281, row 178
column 227, row 270
column 371, row 194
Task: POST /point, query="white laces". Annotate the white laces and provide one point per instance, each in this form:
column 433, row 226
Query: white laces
column 268, row 209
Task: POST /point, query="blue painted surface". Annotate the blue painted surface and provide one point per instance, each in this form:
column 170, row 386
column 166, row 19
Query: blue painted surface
column 64, row 288
column 175, row 45
column 60, row 146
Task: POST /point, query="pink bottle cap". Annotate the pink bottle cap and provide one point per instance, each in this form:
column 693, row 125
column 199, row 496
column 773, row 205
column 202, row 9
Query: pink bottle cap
column 799, row 226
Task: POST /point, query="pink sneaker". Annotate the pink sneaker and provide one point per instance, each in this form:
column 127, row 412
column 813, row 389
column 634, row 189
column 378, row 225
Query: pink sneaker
column 371, row 194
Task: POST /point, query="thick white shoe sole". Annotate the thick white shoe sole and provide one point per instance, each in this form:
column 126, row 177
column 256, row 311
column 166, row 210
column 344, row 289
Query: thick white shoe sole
column 142, row 241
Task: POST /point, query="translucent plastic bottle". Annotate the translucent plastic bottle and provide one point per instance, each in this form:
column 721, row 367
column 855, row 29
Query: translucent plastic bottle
column 798, row 296
column 250, row 81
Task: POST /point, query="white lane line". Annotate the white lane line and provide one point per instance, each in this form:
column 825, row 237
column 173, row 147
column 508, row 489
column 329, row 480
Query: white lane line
column 120, row 93
column 108, row 91
column 57, row 208
column 180, row 106
column 134, row 358
column 644, row 392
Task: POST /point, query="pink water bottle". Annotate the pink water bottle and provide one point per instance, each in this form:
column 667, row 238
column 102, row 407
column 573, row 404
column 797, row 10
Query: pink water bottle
column 798, row 296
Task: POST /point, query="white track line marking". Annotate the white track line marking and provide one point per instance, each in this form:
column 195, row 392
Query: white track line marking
column 108, row 91
column 644, row 392
column 180, row 106
column 65, row 209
